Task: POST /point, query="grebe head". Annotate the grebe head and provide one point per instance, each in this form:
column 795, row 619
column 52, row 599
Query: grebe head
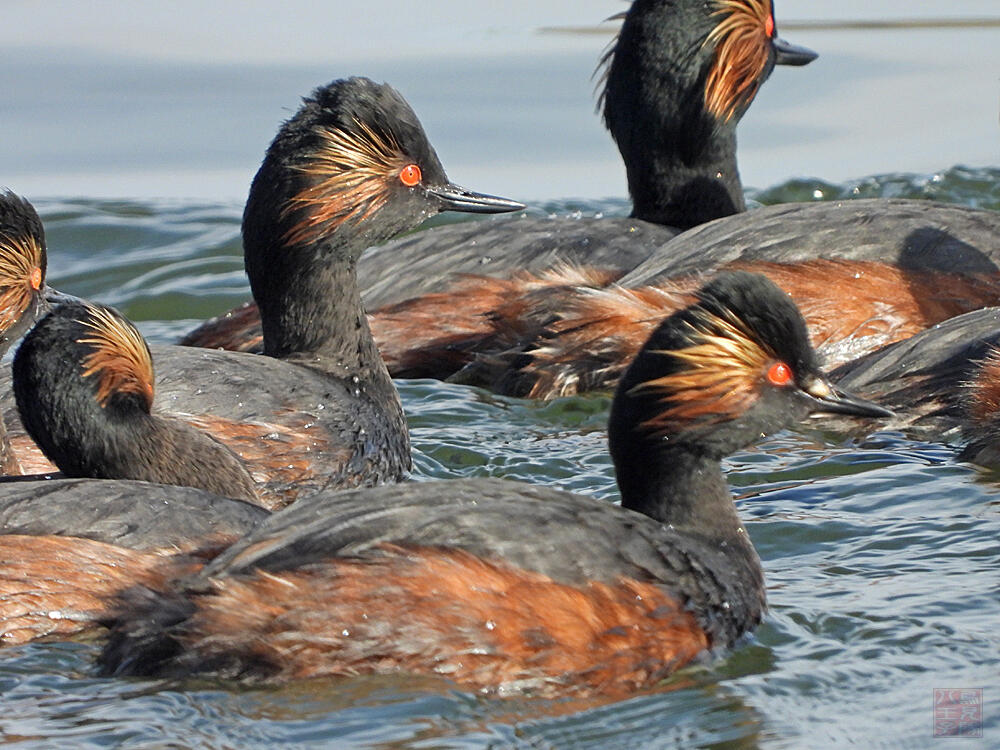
column 724, row 372
column 745, row 48
column 352, row 162
column 83, row 380
column 83, row 366
column 22, row 267
column 676, row 82
column 715, row 52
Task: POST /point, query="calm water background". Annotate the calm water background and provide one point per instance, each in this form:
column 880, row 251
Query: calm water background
column 136, row 132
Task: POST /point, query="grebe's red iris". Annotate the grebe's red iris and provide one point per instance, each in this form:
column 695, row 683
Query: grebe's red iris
column 779, row 374
column 769, row 26
column 410, row 175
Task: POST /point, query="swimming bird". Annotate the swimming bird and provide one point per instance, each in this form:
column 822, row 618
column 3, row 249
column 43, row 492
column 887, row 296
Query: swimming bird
column 507, row 587
column 942, row 382
column 83, row 381
column 676, row 82
column 350, row 169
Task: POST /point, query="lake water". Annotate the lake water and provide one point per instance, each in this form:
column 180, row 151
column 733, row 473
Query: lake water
column 136, row 135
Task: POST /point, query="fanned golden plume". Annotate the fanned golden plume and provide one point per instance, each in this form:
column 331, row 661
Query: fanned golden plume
column 20, row 276
column 120, row 357
column 741, row 48
column 354, row 171
column 718, row 379
column 982, row 392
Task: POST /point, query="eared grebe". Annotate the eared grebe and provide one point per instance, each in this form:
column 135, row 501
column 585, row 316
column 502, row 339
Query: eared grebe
column 544, row 308
column 83, row 381
column 676, row 82
column 350, row 169
column 504, row 586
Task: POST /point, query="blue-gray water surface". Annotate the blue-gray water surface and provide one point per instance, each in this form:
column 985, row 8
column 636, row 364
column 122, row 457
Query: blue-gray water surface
column 881, row 556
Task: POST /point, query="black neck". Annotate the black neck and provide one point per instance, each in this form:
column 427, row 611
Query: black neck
column 687, row 492
column 315, row 313
column 680, row 488
column 136, row 445
column 680, row 159
column 685, row 190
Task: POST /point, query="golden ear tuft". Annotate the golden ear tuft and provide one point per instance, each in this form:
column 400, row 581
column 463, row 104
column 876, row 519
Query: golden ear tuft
column 982, row 391
column 741, row 44
column 717, row 378
column 119, row 358
column 352, row 173
column 20, row 276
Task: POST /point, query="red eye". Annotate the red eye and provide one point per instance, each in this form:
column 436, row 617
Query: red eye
column 769, row 26
column 779, row 374
column 36, row 278
column 410, row 175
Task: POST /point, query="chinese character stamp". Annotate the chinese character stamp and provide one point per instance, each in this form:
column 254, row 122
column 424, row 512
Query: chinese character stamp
column 958, row 712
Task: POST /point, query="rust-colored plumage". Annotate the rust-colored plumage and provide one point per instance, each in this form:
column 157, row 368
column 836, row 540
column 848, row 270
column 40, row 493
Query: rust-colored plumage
column 351, row 173
column 741, row 49
column 20, row 276
column 982, row 396
column 445, row 612
column 55, row 586
column 279, row 454
column 850, row 307
column 120, row 358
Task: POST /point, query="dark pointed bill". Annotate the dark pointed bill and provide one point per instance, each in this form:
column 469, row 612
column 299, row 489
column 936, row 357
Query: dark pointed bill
column 828, row 400
column 791, row 54
column 455, row 198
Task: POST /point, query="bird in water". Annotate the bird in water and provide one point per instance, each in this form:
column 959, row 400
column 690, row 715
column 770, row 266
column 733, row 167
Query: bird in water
column 943, row 382
column 506, row 587
column 547, row 308
column 83, row 381
column 349, row 170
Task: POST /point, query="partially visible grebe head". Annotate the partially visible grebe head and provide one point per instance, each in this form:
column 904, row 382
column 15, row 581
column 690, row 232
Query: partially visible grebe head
column 83, row 364
column 722, row 373
column 83, row 380
column 22, row 267
column 353, row 161
column 712, row 53
column 980, row 403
